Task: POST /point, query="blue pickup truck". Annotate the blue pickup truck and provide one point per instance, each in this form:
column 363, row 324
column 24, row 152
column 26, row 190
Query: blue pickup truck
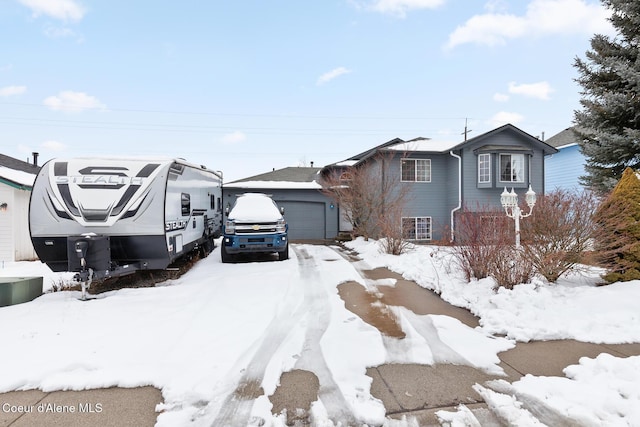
column 254, row 225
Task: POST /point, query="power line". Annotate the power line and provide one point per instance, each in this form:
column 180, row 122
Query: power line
column 260, row 115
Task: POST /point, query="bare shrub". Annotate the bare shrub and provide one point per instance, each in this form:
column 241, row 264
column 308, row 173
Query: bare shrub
column 510, row 267
column 394, row 242
column 559, row 232
column 481, row 236
column 372, row 199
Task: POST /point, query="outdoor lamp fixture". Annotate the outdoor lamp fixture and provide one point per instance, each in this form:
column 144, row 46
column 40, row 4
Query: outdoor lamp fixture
column 509, row 201
column 3, row 207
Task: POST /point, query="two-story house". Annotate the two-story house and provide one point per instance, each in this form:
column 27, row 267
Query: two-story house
column 445, row 177
column 441, row 178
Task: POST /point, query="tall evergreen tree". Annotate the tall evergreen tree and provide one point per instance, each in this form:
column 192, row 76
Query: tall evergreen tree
column 608, row 125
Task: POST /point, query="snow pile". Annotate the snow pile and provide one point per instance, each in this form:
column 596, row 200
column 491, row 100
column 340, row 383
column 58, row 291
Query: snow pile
column 17, row 176
column 574, row 308
column 597, row 392
column 256, row 207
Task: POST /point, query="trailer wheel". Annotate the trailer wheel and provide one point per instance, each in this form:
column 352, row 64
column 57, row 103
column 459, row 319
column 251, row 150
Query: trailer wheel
column 284, row 254
column 224, row 255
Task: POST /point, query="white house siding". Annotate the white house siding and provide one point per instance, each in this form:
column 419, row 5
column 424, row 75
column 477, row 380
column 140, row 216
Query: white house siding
column 22, row 240
column 6, row 225
column 15, row 242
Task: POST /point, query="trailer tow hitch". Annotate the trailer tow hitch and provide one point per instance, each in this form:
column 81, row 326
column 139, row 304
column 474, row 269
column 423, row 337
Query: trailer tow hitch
column 85, row 276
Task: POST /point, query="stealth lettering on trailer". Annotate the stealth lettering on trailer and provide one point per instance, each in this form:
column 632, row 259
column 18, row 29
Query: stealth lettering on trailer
column 180, row 224
column 100, row 177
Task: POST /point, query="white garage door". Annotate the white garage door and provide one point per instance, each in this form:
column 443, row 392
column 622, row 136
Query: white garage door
column 306, row 219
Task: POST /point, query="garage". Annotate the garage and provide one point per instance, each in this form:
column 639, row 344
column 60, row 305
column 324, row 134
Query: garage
column 306, row 219
column 310, row 213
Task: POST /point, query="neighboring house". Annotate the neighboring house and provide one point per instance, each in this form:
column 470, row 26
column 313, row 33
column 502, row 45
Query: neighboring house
column 310, row 214
column 564, row 169
column 16, row 182
column 445, row 177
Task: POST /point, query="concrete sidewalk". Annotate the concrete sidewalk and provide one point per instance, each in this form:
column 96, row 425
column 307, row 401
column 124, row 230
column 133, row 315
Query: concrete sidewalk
column 108, row 407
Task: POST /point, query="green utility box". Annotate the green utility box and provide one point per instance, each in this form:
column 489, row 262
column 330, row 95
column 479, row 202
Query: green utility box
column 16, row 290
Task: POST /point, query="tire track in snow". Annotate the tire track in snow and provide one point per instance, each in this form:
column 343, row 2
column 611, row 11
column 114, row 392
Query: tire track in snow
column 237, row 407
column 311, row 358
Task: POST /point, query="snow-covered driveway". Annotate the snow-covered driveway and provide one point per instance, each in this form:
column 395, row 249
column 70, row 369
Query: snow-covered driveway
column 217, row 340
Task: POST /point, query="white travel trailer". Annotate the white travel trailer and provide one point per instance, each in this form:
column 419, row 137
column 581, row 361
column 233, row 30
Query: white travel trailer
column 107, row 217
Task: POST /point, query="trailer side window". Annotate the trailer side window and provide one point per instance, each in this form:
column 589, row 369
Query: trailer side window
column 219, row 204
column 212, row 200
column 186, row 204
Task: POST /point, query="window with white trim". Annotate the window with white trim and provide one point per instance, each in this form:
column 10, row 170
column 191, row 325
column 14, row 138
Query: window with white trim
column 484, row 168
column 416, row 170
column 416, row 228
column 511, row 167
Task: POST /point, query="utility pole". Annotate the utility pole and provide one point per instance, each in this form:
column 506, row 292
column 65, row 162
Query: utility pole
column 466, row 131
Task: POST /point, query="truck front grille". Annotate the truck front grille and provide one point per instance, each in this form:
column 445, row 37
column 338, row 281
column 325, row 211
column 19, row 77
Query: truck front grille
column 255, row 228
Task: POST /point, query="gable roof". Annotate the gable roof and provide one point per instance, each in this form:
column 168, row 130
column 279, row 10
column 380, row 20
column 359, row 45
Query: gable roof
column 563, row 139
column 546, row 148
column 427, row 145
column 16, row 173
column 290, row 177
column 12, row 163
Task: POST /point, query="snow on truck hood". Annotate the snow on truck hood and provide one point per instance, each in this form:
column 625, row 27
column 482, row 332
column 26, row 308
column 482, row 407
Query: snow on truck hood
column 255, row 207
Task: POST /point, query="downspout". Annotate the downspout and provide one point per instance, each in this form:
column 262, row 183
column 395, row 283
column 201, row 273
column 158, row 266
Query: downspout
column 459, row 191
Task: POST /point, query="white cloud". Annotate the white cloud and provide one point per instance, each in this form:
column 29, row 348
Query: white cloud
column 543, row 17
column 12, row 90
column 73, row 102
column 64, row 10
column 234, row 138
column 540, row 90
column 504, row 117
column 336, row 72
column 500, row 97
column 54, row 32
column 52, row 145
column 401, row 7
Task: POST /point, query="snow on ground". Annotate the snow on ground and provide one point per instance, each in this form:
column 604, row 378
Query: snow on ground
column 220, row 325
column 597, row 392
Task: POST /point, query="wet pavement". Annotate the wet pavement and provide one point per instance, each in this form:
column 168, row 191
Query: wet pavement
column 106, row 407
column 407, row 390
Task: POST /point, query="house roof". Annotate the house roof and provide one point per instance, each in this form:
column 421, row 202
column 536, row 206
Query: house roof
column 419, row 144
column 546, row 148
column 564, row 138
column 427, row 145
column 17, row 173
column 286, row 178
column 12, row 163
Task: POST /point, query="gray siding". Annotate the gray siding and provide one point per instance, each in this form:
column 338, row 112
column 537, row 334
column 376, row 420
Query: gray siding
column 430, row 199
column 489, row 195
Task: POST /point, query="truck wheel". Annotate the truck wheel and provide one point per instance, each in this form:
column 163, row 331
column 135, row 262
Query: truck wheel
column 284, row 254
column 224, row 255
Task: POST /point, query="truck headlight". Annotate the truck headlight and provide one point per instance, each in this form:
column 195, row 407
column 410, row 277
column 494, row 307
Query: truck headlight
column 281, row 226
column 230, row 227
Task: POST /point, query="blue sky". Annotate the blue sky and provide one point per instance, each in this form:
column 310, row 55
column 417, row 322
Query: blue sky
column 248, row 86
